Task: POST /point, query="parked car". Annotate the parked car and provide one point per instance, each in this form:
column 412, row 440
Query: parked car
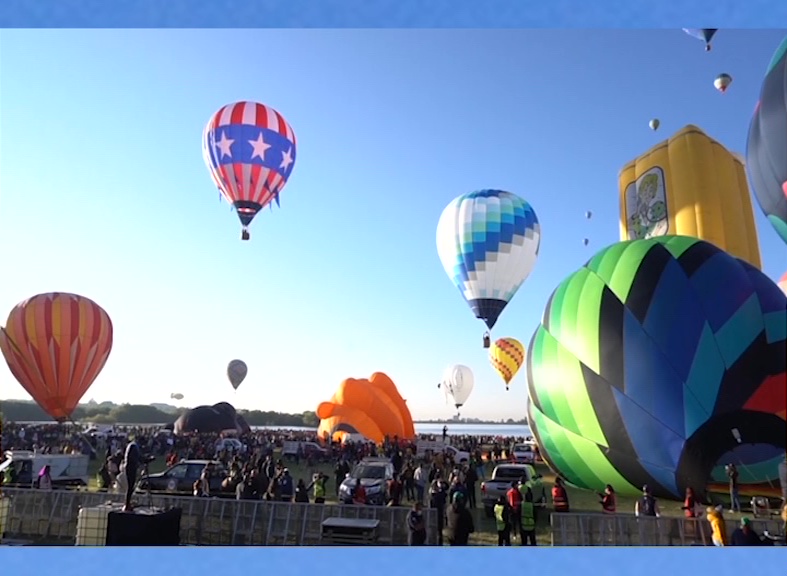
column 374, row 474
column 308, row 449
column 180, row 478
column 502, row 477
column 524, row 453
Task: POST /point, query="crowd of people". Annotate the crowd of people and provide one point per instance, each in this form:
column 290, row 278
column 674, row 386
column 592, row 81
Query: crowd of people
column 254, row 472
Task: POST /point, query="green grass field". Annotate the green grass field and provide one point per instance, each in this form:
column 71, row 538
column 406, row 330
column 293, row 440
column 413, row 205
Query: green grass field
column 486, row 534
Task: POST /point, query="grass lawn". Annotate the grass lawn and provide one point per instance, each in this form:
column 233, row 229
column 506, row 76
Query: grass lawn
column 486, row 534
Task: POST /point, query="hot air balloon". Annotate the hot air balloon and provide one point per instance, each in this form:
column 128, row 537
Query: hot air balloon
column 689, row 185
column 766, row 149
column 783, row 283
column 722, row 82
column 588, row 214
column 654, row 124
column 56, row 345
column 249, row 149
column 507, row 356
column 704, row 34
column 648, row 356
column 176, row 396
column 488, row 244
column 457, row 384
column 586, row 241
column 236, row 372
column 370, row 407
column 211, row 419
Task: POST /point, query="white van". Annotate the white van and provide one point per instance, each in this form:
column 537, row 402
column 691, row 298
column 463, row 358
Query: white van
column 66, row 469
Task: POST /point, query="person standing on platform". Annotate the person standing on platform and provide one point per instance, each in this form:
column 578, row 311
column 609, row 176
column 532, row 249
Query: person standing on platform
column 131, row 462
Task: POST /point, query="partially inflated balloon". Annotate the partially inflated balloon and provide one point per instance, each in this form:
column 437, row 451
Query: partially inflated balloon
column 766, row 149
column 458, row 383
column 488, row 244
column 646, row 359
column 236, row 372
column 507, row 356
column 56, row 345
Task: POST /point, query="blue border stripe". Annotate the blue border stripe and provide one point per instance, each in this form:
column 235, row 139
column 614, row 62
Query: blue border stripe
column 673, row 14
column 391, row 13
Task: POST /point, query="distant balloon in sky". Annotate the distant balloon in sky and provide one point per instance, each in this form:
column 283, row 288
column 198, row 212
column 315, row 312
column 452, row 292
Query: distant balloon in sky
column 249, row 149
column 654, row 124
column 236, row 372
column 704, row 34
column 766, row 148
column 176, row 396
column 457, row 384
column 588, row 214
column 586, row 241
column 488, row 244
column 722, row 82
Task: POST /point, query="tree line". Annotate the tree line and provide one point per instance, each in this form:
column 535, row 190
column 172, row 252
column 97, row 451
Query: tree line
column 109, row 413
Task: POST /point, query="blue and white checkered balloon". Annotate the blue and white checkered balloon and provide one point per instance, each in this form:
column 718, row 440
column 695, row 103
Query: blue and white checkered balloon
column 488, row 243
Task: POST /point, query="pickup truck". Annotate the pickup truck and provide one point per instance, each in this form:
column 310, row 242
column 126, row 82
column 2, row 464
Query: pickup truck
column 502, row 476
column 317, row 452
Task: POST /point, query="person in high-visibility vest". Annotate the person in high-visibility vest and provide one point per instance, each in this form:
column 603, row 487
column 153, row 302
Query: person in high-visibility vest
column 503, row 522
column 528, row 520
column 319, row 481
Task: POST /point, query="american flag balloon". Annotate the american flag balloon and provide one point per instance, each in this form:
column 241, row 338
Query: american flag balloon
column 249, row 149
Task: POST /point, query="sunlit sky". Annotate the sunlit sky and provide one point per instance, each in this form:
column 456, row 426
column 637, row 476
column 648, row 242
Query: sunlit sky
column 104, row 192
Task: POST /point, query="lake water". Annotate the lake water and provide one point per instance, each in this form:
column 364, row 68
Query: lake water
column 459, row 429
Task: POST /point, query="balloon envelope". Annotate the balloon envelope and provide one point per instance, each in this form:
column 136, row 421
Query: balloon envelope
column 506, row 356
column 783, row 283
column 766, row 148
column 176, row 396
column 236, row 372
column 370, row 407
column 249, row 149
column 56, row 345
column 654, row 124
column 210, row 419
column 458, row 382
column 488, row 244
column 645, row 360
column 704, row 34
column 722, row 82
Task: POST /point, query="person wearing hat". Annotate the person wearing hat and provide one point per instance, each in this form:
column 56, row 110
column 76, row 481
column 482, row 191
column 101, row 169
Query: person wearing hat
column 647, row 505
column 745, row 535
column 459, row 521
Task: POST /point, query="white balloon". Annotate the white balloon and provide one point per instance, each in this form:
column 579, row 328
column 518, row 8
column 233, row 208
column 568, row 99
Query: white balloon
column 458, row 383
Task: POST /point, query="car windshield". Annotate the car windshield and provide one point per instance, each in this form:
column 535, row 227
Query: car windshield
column 510, row 473
column 370, row 472
column 523, row 448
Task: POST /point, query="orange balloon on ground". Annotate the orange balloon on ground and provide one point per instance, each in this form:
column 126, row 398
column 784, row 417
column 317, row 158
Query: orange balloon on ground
column 371, row 407
column 56, row 345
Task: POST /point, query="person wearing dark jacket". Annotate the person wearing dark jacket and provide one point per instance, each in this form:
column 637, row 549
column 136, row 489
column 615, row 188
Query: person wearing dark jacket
column 745, row 535
column 416, row 526
column 459, row 522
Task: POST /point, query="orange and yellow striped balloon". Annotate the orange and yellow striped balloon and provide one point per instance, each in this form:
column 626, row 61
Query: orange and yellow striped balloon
column 55, row 345
column 507, row 356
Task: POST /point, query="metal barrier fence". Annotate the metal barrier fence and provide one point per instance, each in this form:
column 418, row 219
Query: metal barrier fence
column 52, row 517
column 570, row 529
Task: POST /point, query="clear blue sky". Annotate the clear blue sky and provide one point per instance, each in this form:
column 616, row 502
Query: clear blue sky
column 105, row 193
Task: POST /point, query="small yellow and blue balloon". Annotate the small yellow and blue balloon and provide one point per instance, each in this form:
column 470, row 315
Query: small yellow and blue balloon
column 507, row 356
